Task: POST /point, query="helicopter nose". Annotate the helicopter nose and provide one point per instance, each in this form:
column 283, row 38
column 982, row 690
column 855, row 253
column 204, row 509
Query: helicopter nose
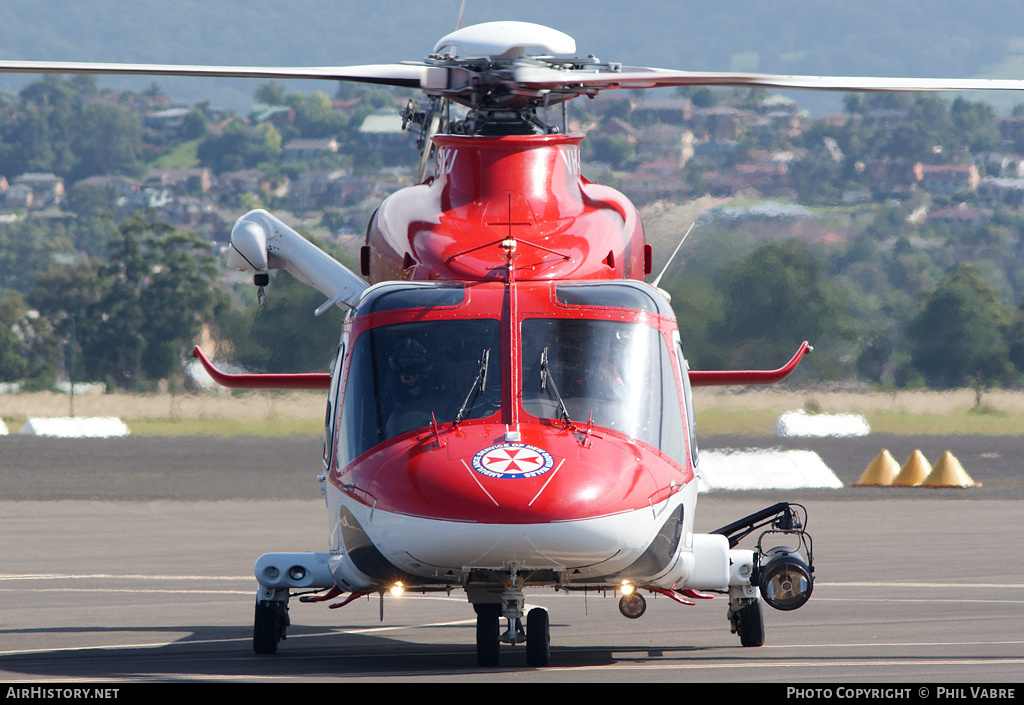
column 549, row 478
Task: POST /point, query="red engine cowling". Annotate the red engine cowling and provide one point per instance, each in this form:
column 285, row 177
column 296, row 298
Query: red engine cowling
column 487, row 189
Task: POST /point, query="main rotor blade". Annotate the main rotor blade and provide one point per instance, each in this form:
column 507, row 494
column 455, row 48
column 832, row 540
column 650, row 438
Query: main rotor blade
column 407, row 75
column 542, row 78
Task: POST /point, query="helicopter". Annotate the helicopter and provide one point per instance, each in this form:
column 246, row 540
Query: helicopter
column 509, row 407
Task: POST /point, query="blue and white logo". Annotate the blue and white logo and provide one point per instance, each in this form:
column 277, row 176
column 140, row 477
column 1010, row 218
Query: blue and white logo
column 512, row 460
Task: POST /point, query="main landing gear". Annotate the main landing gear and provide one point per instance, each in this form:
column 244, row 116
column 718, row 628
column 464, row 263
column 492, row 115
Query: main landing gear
column 271, row 621
column 746, row 620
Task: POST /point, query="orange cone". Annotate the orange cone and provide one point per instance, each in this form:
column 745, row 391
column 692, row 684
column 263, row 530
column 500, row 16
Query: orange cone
column 914, row 471
column 949, row 472
column 881, row 471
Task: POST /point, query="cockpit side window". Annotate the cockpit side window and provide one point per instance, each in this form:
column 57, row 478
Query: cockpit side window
column 332, row 405
column 691, row 420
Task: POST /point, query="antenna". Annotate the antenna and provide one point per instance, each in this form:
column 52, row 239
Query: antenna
column 658, row 280
column 462, row 10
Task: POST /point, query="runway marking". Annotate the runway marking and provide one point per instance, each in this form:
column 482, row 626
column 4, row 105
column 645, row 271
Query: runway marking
column 966, row 661
column 930, row 600
column 921, row 585
column 111, row 576
column 900, row 645
column 136, row 591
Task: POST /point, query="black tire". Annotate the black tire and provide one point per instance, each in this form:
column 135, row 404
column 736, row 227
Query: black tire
column 750, row 625
column 538, row 638
column 488, row 635
column 266, row 630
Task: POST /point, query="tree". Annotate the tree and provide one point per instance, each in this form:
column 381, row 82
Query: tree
column 613, row 150
column 52, row 110
column 136, row 315
column 272, row 93
column 240, row 146
column 27, row 249
column 775, row 298
column 315, row 116
column 28, row 346
column 109, row 141
column 959, row 338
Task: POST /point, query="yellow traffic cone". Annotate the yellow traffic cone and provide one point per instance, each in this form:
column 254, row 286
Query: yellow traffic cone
column 881, row 471
column 914, row 471
column 949, row 472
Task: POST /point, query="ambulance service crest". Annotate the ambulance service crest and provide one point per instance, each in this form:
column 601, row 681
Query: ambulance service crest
column 512, row 460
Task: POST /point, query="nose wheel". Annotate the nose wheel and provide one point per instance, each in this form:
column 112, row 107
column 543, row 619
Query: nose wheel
column 489, row 636
column 538, row 638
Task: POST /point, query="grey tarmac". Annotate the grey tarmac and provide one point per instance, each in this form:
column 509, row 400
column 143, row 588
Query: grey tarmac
column 131, row 561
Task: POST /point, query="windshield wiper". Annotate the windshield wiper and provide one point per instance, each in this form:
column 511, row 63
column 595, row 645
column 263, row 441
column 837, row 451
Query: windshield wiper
column 545, row 379
column 479, row 386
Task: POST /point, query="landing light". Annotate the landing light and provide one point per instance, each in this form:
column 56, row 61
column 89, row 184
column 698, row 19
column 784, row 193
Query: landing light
column 397, row 589
column 785, row 579
column 627, row 588
column 296, row 572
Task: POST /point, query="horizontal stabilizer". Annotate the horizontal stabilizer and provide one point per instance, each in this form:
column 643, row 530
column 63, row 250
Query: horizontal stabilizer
column 312, row 381
column 711, row 378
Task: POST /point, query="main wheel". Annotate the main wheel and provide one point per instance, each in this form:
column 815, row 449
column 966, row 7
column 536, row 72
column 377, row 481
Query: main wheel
column 488, row 636
column 750, row 624
column 538, row 638
column 266, row 630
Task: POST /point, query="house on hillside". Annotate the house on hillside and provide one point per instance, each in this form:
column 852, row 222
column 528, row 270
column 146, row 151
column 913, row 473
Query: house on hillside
column 1000, row 164
column 382, row 133
column 35, row 191
column 892, row 177
column 662, row 141
column 718, row 152
column 670, row 111
column 116, row 186
column 1011, row 129
column 720, row 122
column 180, row 181
column 307, row 150
column 278, row 115
column 947, row 179
column 250, row 181
column 1008, row 192
column 170, row 123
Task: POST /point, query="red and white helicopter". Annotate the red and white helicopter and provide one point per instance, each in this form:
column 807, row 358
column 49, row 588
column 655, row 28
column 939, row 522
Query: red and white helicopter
column 510, row 406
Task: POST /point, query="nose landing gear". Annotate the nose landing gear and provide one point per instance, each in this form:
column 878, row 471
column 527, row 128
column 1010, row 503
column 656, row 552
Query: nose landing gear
column 489, row 638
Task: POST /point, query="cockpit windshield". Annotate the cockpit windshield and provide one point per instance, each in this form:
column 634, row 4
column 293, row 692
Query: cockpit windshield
column 402, row 374
column 614, row 373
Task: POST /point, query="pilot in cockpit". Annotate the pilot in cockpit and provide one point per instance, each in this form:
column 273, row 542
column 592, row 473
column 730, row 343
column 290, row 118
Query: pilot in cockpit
column 412, row 389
